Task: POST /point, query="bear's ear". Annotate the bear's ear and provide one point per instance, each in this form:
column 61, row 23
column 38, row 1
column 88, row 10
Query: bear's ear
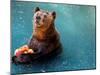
column 54, row 14
column 37, row 9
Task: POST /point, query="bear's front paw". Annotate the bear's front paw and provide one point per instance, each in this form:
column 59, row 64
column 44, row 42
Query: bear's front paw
column 23, row 50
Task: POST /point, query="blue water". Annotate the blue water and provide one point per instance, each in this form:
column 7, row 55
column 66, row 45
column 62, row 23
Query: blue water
column 76, row 25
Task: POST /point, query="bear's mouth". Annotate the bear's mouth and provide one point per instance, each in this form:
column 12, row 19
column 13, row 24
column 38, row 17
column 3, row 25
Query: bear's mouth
column 37, row 22
column 38, row 25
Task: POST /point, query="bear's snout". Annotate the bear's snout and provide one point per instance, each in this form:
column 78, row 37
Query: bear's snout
column 38, row 17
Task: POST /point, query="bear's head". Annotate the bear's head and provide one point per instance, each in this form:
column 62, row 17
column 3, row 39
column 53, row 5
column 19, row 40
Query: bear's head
column 43, row 20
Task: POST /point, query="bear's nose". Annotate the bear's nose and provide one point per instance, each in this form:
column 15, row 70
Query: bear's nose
column 38, row 17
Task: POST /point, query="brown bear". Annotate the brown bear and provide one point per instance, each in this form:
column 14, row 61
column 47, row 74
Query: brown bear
column 45, row 38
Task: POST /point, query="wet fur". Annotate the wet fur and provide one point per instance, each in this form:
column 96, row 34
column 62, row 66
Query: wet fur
column 45, row 42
